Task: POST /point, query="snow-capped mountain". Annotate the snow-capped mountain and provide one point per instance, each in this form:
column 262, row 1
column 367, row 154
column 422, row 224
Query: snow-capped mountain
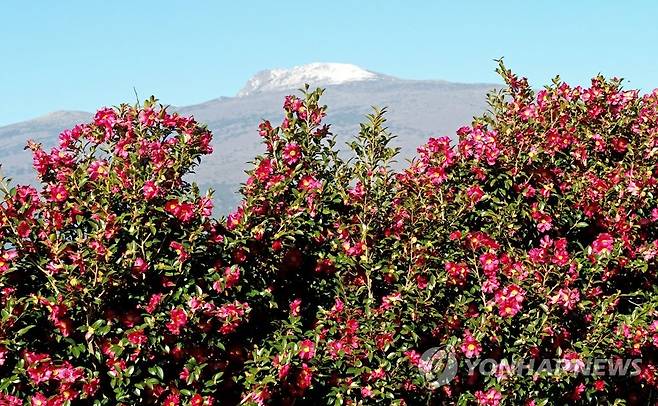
column 417, row 110
column 314, row 74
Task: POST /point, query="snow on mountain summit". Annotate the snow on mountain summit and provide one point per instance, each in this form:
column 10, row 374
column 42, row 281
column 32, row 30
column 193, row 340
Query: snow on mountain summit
column 313, row 74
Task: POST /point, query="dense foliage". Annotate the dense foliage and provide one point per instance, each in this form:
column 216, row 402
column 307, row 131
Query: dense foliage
column 533, row 237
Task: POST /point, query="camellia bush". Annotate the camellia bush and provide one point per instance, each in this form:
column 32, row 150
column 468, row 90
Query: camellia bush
column 532, row 237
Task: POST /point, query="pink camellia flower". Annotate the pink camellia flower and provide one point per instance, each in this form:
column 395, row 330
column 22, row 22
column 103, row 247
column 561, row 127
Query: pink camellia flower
column 295, row 306
column 137, row 337
column 528, row 112
column 475, row 193
column 413, row 356
column 470, row 346
column 264, row 128
column 291, row 154
column 182, row 211
column 98, row 169
column 172, row 400
column 234, row 218
column 3, row 354
column 561, row 255
column 89, row 388
column 437, row 175
column 544, row 221
column 509, row 300
column 5, row 259
column 309, row 184
column 154, row 301
column 23, row 229
column 150, row 190
column 357, row 191
column 457, row 273
column 390, row 300
column 139, row 266
column 184, row 374
column 180, row 250
column 205, row 206
column 231, row 276
column 58, row 193
column 571, row 362
column 264, row 170
column 106, row 117
column 567, row 298
column 147, row 117
column 489, row 263
column 39, row 399
column 489, row 398
column 307, row 350
column 305, row 377
column 177, row 319
column 603, row 244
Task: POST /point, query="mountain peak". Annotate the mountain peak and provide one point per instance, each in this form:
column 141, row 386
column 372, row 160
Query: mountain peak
column 312, row 73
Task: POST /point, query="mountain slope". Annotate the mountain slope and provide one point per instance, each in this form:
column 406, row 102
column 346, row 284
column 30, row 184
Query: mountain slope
column 416, row 111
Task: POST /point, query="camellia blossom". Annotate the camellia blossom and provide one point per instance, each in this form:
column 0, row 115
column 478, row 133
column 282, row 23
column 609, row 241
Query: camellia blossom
column 177, row 320
column 490, row 397
column 98, row 169
column 58, row 193
column 264, row 170
column 470, row 346
column 509, row 300
column 567, row 298
column 180, row 250
column 291, row 154
column 603, row 244
column 310, row 184
column 306, row 350
column 139, row 266
column 457, row 273
column 184, row 212
column 150, row 190
column 475, row 193
column 489, row 263
column 571, row 362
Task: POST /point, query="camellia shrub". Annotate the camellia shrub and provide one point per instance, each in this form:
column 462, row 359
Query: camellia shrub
column 531, row 238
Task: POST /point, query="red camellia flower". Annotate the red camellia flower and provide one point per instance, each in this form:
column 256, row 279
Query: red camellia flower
column 137, row 337
column 309, row 184
column 295, row 306
column 264, row 170
column 291, row 154
column 179, row 249
column 603, row 244
column 489, row 262
column 475, row 193
column 150, row 190
column 98, row 169
column 470, row 346
column 178, row 319
column 489, row 398
column 58, row 193
column 182, row 211
column 139, row 266
column 307, row 350
column 304, row 378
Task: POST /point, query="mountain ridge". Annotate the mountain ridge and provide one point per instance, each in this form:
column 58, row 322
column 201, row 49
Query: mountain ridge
column 416, row 110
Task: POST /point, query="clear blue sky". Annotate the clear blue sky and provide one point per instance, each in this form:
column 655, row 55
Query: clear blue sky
column 81, row 55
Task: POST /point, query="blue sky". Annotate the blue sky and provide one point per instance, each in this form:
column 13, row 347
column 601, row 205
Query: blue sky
column 80, row 55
